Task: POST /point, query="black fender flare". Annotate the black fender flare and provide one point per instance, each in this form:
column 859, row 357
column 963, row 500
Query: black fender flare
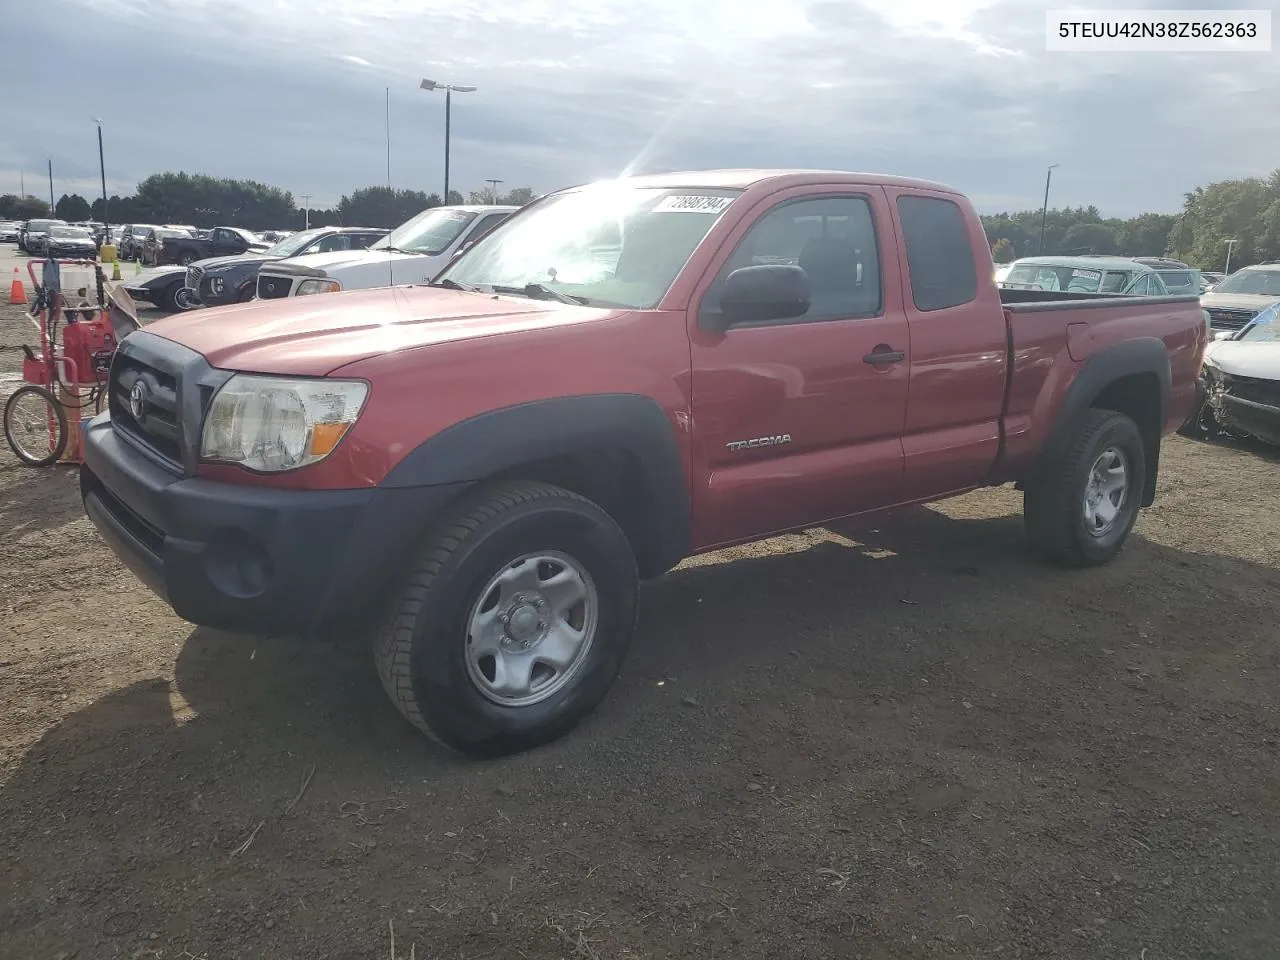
column 502, row 441
column 1141, row 355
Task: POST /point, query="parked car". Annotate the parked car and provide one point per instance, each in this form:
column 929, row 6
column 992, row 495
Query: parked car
column 155, row 242
column 221, row 280
column 1208, row 279
column 1242, row 381
column 1113, row 275
column 163, row 287
column 413, row 252
column 132, row 236
column 478, row 471
column 69, row 242
column 187, row 248
column 34, row 232
column 9, row 231
column 1181, row 280
column 1236, row 300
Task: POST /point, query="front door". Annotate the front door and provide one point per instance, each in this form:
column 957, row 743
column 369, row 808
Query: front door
column 799, row 421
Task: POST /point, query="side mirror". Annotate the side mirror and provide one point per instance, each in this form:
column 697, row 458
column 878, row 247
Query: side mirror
column 767, row 291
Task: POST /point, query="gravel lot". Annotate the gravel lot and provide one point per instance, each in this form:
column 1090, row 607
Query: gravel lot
column 897, row 741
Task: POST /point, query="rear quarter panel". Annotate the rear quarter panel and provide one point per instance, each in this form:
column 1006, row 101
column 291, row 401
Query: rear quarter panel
column 1050, row 342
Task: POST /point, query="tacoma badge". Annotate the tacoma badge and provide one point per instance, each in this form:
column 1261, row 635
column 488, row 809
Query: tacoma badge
column 759, row 442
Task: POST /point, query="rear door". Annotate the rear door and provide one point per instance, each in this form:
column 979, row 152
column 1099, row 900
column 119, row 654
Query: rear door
column 799, row 421
column 959, row 353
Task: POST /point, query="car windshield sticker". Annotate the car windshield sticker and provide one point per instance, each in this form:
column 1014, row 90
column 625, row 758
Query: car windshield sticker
column 682, row 204
column 1087, row 274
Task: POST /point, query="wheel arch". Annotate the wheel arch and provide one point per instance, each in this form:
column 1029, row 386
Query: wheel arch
column 618, row 450
column 1133, row 378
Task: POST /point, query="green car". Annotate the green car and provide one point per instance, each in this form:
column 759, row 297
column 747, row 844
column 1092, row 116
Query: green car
column 1117, row 275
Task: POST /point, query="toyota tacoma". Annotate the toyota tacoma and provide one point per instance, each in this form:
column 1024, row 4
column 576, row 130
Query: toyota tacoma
column 477, row 473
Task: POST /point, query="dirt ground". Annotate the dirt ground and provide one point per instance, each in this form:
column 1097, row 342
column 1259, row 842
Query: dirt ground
column 907, row 740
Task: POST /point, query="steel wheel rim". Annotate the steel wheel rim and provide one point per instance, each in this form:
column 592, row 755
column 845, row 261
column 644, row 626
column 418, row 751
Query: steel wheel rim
column 182, row 298
column 32, row 416
column 531, row 628
column 1106, row 492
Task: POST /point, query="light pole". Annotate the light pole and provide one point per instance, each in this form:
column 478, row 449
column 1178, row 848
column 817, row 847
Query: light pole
column 306, row 199
column 1044, row 210
column 449, row 90
column 493, row 189
column 1230, row 244
column 102, row 169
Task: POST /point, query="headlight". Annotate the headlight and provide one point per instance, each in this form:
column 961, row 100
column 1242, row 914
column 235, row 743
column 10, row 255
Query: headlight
column 216, row 285
column 271, row 424
column 318, row 286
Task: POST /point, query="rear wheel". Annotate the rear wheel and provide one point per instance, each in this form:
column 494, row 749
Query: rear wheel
column 513, row 622
column 35, row 425
column 1081, row 511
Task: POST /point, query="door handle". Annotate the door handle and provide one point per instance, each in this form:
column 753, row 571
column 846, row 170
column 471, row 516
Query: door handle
column 885, row 355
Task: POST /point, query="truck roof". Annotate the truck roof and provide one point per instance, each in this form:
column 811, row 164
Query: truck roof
column 740, row 179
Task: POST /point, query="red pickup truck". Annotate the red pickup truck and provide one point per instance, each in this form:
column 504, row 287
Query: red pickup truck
column 478, row 472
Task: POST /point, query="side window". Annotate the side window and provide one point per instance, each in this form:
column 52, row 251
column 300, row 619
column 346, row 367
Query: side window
column 833, row 239
column 339, row 241
column 364, row 240
column 1114, row 282
column 486, row 224
column 221, row 235
column 939, row 255
column 1142, row 288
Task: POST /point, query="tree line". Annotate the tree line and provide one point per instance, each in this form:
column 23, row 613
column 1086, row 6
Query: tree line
column 205, row 201
column 1246, row 211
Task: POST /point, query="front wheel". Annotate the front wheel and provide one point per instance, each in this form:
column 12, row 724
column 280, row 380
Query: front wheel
column 35, row 425
column 513, row 621
column 177, row 298
column 1080, row 512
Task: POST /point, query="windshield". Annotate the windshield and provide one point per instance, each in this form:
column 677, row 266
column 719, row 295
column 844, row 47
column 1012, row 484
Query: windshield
column 78, row 233
column 1264, row 283
column 42, row 226
column 1034, row 276
column 612, row 245
column 163, row 234
column 295, row 243
column 1263, row 327
column 430, row 232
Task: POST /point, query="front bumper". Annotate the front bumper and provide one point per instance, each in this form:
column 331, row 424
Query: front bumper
column 1258, row 420
column 245, row 558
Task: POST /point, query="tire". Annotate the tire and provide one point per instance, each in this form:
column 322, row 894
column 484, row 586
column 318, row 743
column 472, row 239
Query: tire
column 20, row 435
column 187, row 259
column 429, row 650
column 1055, row 508
column 177, row 299
column 246, row 293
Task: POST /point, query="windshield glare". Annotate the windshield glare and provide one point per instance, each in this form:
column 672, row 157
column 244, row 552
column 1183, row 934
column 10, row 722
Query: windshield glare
column 294, row 243
column 1264, row 283
column 69, row 233
column 430, row 232
column 613, row 245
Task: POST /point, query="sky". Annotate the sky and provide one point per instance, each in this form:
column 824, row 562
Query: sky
column 294, row 93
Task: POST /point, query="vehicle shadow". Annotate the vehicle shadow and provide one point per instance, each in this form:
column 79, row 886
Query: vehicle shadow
column 829, row 703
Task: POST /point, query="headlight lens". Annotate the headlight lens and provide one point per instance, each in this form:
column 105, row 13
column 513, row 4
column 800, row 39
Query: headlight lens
column 216, row 285
column 318, row 286
column 272, row 424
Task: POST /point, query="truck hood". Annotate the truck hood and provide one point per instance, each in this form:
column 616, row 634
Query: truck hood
column 214, row 263
column 1236, row 301
column 314, row 335
column 1241, row 358
column 335, row 261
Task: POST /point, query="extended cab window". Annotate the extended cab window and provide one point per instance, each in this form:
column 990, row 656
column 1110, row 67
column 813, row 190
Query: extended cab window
column 939, row 255
column 833, row 239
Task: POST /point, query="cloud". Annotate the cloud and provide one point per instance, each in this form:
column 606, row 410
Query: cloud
column 293, row 92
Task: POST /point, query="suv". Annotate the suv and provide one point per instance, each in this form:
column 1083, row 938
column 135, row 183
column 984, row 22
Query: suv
column 1233, row 302
column 476, row 473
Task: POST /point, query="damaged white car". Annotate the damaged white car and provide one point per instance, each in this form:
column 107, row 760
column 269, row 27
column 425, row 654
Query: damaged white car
column 1241, row 380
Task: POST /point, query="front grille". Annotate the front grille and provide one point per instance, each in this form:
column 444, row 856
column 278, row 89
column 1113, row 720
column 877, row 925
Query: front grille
column 273, row 288
column 1223, row 318
column 1252, row 388
column 194, row 275
column 160, row 426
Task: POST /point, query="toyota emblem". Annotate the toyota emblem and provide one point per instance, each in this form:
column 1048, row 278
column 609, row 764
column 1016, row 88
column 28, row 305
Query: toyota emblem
column 138, row 400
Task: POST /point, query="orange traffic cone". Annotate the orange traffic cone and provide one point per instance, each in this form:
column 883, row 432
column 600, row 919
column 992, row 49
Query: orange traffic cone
column 16, row 292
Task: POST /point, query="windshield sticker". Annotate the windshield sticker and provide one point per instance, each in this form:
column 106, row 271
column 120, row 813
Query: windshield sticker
column 1087, row 274
column 682, row 204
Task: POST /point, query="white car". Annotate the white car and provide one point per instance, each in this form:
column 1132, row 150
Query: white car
column 1242, row 381
column 412, row 253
